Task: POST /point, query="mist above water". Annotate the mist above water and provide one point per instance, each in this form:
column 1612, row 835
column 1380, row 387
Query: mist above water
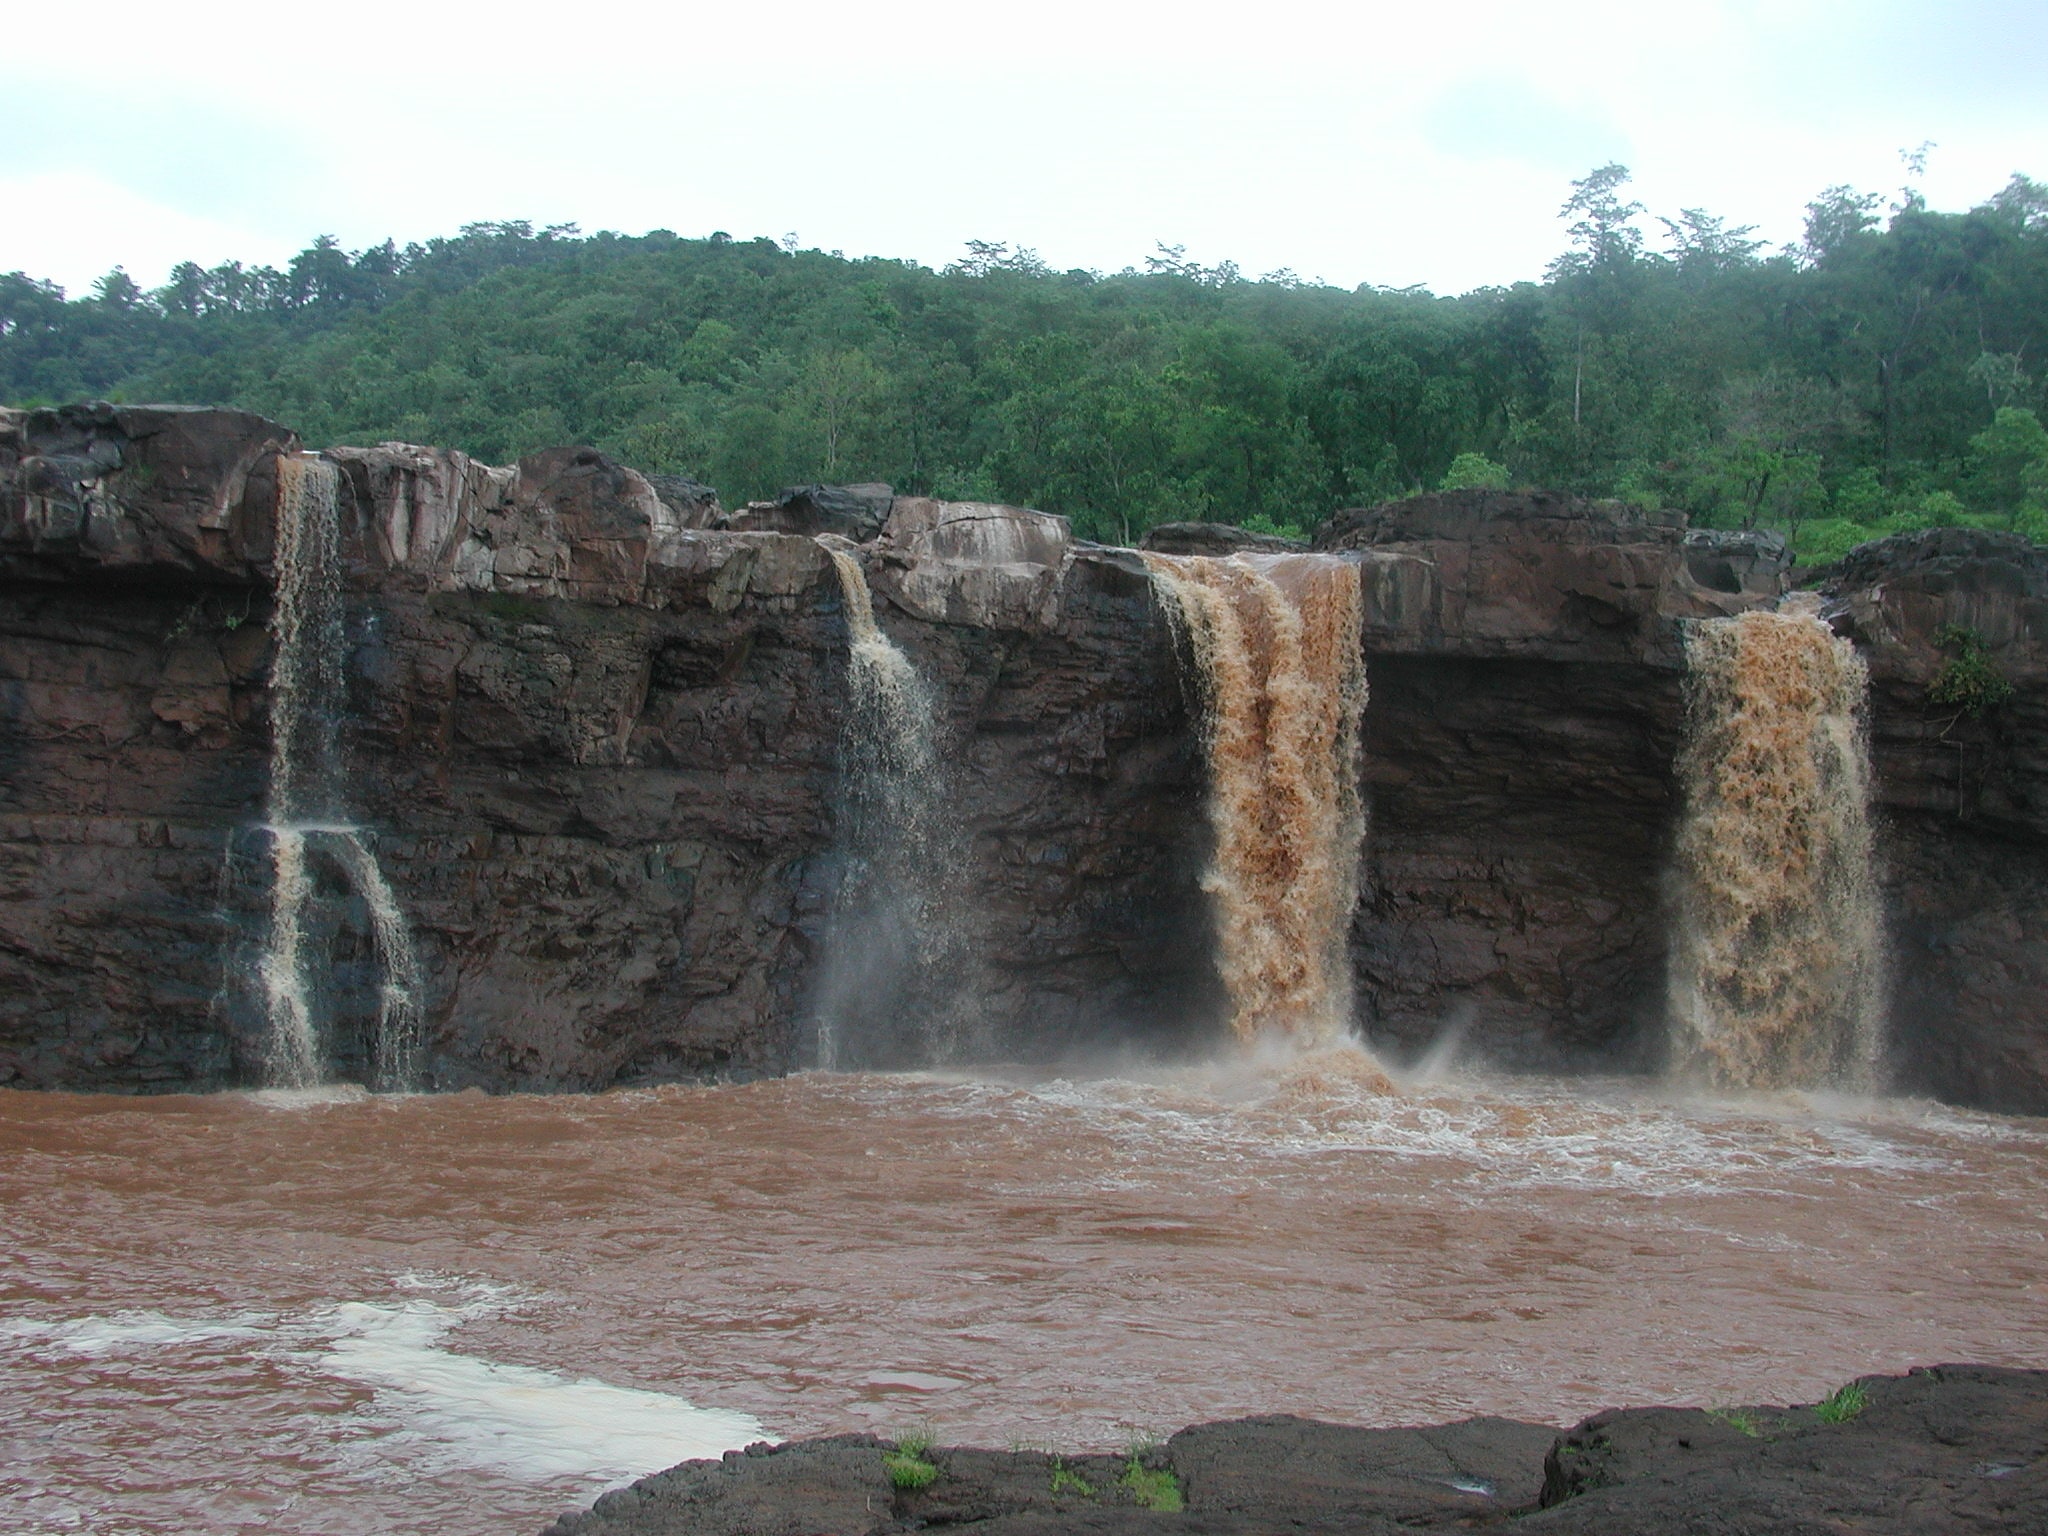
column 896, row 978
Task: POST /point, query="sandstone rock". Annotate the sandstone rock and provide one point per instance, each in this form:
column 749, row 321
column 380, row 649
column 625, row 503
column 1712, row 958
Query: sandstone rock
column 693, row 503
column 138, row 489
column 1964, row 832
column 1957, row 1448
column 1507, row 573
column 968, row 563
column 598, row 751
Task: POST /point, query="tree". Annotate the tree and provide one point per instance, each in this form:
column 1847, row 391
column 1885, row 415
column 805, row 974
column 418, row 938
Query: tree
column 1474, row 472
column 2009, row 462
column 1835, row 220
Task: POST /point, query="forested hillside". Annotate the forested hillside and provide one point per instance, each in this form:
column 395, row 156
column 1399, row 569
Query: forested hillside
column 1887, row 373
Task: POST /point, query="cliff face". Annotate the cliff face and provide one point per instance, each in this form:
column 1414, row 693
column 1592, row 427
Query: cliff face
column 597, row 745
column 594, row 723
column 1965, row 830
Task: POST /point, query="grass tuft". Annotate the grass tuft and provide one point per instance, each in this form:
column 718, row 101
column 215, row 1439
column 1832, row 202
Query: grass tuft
column 1843, row 1404
column 908, row 1466
column 1738, row 1419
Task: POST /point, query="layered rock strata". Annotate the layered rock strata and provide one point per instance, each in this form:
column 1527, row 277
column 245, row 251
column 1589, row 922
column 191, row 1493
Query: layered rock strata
column 594, row 722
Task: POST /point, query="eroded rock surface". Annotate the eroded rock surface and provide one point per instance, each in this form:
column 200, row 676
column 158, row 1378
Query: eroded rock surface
column 1957, row 1448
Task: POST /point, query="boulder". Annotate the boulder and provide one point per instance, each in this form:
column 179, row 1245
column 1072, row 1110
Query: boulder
column 855, row 512
column 1538, row 574
column 958, row 562
column 141, row 491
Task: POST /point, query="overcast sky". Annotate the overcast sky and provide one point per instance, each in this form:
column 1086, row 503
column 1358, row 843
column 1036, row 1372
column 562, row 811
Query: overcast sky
column 1392, row 144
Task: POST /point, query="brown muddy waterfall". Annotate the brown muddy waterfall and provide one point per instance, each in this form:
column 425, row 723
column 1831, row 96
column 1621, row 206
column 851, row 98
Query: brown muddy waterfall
column 1275, row 638
column 1777, row 969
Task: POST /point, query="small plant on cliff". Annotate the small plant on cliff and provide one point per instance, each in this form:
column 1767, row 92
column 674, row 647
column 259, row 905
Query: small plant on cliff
column 908, row 1467
column 1843, row 1404
column 1066, row 1480
column 1741, row 1420
column 1968, row 681
column 1154, row 1487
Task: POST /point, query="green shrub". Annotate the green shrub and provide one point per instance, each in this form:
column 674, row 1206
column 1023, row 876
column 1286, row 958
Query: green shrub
column 1937, row 509
column 1741, row 1420
column 1259, row 522
column 1474, row 472
column 1824, row 540
column 1968, row 680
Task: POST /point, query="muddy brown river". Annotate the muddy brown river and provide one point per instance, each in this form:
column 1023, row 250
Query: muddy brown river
column 333, row 1313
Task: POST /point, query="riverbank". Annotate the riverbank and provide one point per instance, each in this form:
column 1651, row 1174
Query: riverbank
column 1952, row 1448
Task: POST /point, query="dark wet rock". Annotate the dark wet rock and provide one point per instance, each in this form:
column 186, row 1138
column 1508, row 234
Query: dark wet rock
column 598, row 751
column 1215, row 539
column 1964, row 834
column 855, row 512
column 1532, row 574
column 1954, row 1448
column 1950, row 1449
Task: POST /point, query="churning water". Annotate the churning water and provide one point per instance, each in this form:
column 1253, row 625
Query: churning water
column 331, row 1312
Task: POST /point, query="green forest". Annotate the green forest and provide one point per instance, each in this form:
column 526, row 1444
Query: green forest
column 1889, row 372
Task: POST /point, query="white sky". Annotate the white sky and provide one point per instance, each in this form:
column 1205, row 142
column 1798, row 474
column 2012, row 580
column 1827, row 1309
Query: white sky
column 1394, row 144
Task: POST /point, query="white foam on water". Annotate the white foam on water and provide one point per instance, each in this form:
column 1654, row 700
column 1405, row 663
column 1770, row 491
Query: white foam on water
column 450, row 1410
column 124, row 1332
column 1499, row 1134
column 315, row 1097
column 518, row 1419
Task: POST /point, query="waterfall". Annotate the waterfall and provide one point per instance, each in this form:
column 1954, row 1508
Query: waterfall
column 900, row 964
column 1777, row 972
column 1277, row 642
column 307, row 810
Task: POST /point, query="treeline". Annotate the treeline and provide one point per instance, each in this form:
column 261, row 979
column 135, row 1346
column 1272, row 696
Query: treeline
column 1885, row 373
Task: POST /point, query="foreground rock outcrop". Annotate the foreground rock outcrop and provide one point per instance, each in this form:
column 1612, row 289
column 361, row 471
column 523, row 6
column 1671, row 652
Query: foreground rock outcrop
column 594, row 724
column 1959, row 1448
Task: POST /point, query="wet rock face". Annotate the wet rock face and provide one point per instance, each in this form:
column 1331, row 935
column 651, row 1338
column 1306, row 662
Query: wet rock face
column 597, row 738
column 1964, row 833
